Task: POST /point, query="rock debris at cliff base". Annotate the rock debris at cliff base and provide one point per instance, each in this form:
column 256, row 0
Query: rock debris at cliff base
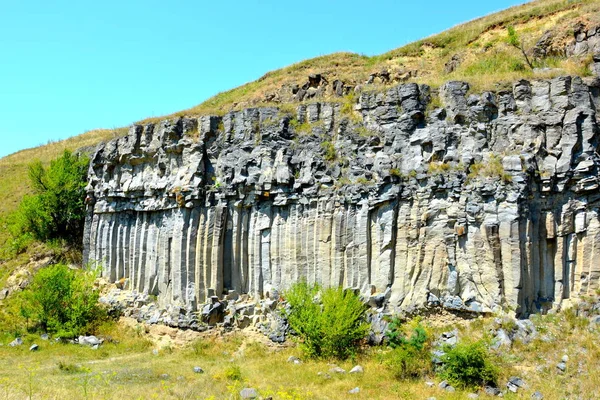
column 488, row 200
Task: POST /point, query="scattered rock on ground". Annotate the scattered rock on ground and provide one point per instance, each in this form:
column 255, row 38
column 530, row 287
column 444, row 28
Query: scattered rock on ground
column 294, row 360
column 248, row 393
column 89, row 341
column 492, row 391
column 515, row 383
column 357, row 370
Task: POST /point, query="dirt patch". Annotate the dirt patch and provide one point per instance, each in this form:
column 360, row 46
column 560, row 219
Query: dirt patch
column 167, row 337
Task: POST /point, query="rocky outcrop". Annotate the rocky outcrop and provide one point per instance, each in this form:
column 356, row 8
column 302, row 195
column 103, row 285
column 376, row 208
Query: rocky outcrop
column 586, row 40
column 490, row 200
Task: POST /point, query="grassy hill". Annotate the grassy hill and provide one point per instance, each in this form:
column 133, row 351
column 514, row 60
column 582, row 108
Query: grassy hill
column 486, row 60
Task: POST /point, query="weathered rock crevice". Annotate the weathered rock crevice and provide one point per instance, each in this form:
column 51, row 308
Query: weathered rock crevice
column 489, row 201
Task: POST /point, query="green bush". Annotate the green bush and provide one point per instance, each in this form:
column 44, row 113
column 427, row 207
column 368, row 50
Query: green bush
column 397, row 338
column 410, row 356
column 62, row 301
column 329, row 150
column 330, row 326
column 233, row 373
column 469, row 365
column 56, row 210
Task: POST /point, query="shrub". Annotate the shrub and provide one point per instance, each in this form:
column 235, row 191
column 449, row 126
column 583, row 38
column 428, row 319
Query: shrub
column 70, row 368
column 330, row 326
column 437, row 167
column 396, row 337
column 56, row 210
column 329, row 150
column 62, row 301
column 233, row 373
column 493, row 168
column 396, row 172
column 469, row 365
column 300, row 128
column 410, row 357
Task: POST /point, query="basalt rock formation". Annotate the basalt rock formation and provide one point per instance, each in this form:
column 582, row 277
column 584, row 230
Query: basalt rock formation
column 415, row 198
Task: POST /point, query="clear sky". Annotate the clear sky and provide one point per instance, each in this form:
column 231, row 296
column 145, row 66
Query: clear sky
column 71, row 66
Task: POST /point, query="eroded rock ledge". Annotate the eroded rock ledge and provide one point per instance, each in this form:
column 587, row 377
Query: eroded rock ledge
column 470, row 201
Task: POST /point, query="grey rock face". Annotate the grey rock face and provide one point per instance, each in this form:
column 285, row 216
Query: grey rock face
column 491, row 200
column 587, row 41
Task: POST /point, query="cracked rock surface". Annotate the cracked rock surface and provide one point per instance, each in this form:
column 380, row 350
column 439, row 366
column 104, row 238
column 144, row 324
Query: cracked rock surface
column 472, row 202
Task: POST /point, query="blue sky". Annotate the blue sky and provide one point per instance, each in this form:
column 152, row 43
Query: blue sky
column 71, row 66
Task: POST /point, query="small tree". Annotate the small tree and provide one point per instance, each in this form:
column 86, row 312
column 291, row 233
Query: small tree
column 514, row 41
column 62, row 301
column 56, row 210
column 410, row 356
column 329, row 326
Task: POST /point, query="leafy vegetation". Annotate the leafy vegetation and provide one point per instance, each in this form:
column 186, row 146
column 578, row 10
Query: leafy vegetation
column 410, row 356
column 329, row 150
column 330, row 322
column 63, row 302
column 517, row 43
column 469, row 365
column 127, row 366
column 300, row 128
column 56, row 210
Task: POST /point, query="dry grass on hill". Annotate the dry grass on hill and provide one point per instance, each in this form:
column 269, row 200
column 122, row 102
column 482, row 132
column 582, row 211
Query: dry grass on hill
column 128, row 368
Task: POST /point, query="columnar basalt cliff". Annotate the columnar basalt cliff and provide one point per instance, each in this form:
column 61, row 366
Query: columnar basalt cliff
column 469, row 201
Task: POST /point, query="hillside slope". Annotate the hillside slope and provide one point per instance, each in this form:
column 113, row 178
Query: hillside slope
column 476, row 51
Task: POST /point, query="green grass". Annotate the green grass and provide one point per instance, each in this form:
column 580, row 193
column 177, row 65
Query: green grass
column 127, row 367
column 497, row 61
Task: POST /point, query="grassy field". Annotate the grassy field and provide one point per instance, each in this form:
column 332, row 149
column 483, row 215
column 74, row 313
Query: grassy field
column 134, row 367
